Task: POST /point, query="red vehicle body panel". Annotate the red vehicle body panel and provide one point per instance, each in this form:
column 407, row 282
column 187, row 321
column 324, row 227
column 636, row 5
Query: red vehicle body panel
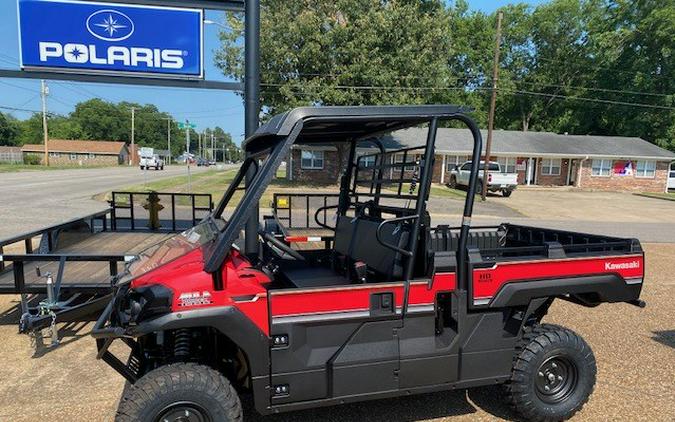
column 246, row 287
column 488, row 281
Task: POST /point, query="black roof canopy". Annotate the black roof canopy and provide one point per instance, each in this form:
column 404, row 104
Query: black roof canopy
column 344, row 123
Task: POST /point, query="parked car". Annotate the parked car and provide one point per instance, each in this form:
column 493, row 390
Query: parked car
column 203, row 162
column 497, row 180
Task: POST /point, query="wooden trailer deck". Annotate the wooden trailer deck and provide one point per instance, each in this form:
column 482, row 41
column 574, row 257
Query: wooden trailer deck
column 82, row 275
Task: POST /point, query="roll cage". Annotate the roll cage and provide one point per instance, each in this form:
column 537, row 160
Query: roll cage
column 272, row 142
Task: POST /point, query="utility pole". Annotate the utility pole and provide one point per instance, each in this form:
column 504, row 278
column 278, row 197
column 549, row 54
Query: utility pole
column 133, row 133
column 493, row 102
column 44, row 91
column 168, row 136
column 213, row 153
column 187, row 136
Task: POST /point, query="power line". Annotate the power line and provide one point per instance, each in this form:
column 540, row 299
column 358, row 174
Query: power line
column 595, row 100
column 524, row 92
column 578, row 87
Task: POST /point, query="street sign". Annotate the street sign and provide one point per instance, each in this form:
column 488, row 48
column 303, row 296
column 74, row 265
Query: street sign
column 182, row 125
column 109, row 38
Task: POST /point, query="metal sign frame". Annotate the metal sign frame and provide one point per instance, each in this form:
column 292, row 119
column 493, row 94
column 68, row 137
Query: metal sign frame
column 223, row 5
column 250, row 87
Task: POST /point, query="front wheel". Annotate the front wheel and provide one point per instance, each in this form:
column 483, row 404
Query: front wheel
column 553, row 374
column 180, row 392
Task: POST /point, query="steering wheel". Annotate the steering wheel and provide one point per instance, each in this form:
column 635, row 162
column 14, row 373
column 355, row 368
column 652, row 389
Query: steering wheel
column 273, row 242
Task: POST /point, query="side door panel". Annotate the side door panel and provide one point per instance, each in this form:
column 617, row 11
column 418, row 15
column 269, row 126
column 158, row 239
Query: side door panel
column 338, row 342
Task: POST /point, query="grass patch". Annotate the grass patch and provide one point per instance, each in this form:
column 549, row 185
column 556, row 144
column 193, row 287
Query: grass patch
column 215, row 182
column 670, row 196
column 437, row 191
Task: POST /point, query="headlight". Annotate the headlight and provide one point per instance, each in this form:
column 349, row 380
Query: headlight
column 145, row 302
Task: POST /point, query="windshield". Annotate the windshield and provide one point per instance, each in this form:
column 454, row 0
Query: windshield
column 170, row 249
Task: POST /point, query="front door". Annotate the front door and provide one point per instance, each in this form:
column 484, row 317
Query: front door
column 671, row 176
column 574, row 170
column 334, row 341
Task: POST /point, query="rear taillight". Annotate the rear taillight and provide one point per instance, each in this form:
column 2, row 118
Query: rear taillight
column 489, row 178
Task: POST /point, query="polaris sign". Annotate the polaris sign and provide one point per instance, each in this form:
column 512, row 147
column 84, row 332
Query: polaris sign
column 89, row 37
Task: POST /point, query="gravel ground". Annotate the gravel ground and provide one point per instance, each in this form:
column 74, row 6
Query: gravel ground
column 635, row 350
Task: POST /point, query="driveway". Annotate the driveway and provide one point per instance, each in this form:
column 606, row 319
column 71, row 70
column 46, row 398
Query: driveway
column 610, row 213
column 35, row 199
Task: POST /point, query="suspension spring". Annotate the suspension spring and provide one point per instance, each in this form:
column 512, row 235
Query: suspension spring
column 181, row 346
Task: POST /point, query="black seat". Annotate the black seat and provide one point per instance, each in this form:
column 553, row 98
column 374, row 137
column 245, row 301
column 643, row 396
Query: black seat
column 355, row 240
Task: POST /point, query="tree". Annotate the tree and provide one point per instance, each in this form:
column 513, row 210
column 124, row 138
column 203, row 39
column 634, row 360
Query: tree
column 346, row 52
column 9, row 130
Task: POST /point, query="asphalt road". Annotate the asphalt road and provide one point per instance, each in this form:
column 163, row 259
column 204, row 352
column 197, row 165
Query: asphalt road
column 31, row 200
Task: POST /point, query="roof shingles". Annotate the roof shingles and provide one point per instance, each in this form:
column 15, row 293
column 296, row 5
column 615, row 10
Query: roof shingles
column 76, row 146
column 517, row 143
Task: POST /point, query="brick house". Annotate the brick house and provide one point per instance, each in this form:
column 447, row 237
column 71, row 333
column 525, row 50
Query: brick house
column 539, row 158
column 81, row 153
column 10, row 155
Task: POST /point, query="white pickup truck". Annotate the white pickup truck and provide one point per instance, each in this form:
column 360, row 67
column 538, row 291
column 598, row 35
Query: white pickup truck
column 148, row 159
column 497, row 181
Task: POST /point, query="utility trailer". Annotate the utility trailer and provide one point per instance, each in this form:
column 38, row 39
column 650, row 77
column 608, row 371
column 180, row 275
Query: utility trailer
column 64, row 272
column 391, row 307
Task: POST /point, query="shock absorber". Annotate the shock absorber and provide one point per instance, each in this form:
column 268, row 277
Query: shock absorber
column 181, row 343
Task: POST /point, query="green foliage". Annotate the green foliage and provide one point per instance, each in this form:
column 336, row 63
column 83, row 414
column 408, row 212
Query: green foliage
column 32, row 159
column 565, row 65
column 100, row 120
column 9, row 130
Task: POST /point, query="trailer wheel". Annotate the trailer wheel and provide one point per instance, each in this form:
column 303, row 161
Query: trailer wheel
column 180, row 392
column 553, row 374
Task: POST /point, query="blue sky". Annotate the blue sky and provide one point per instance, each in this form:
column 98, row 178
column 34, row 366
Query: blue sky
column 206, row 108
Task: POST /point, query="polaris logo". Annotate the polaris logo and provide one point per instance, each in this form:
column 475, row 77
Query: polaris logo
column 110, row 25
column 609, row 266
column 127, row 56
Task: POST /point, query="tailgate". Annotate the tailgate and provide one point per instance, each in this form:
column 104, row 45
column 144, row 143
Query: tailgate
column 503, row 178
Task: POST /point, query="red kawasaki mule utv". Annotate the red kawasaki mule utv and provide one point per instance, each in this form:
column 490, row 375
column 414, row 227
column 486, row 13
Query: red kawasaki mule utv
column 390, row 306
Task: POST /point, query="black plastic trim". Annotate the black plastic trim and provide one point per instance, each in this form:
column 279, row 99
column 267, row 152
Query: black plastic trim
column 608, row 287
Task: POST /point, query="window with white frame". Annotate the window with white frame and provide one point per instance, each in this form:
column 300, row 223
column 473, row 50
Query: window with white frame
column 72, row 156
column 601, row 168
column 507, row 164
column 645, row 169
column 452, row 161
column 311, row 159
column 550, row 166
column 409, row 158
column 367, row 161
column 55, row 154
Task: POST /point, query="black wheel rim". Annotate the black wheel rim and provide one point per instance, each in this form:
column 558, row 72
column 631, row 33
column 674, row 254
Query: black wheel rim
column 184, row 412
column 556, row 379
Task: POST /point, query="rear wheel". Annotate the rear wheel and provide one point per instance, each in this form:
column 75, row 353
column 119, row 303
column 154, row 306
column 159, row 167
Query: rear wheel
column 453, row 182
column 553, row 374
column 479, row 187
column 183, row 392
column 507, row 193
